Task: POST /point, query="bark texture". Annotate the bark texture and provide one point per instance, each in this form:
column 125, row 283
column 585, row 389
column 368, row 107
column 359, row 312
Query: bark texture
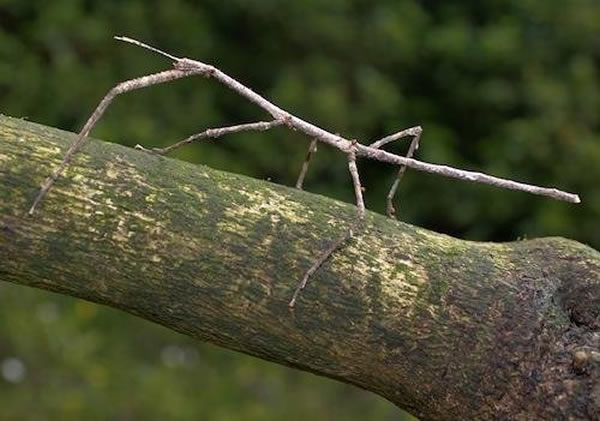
column 444, row 328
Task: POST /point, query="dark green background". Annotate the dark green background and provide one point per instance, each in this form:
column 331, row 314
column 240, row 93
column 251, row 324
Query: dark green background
column 506, row 87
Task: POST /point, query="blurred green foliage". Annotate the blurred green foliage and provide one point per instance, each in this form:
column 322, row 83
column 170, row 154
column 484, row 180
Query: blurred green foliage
column 507, row 87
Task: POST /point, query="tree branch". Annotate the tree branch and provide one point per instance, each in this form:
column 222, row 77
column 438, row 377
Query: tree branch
column 447, row 329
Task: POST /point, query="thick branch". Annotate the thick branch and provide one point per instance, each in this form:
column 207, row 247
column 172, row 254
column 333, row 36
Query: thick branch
column 446, row 329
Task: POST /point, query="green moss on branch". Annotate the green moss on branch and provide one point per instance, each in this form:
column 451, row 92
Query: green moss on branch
column 442, row 327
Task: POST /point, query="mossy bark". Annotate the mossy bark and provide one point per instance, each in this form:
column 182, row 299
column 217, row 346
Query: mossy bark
column 445, row 328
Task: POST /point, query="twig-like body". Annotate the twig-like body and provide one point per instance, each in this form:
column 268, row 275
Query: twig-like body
column 186, row 67
column 363, row 151
column 478, row 177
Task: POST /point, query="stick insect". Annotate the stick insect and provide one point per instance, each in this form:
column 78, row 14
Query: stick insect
column 185, row 67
